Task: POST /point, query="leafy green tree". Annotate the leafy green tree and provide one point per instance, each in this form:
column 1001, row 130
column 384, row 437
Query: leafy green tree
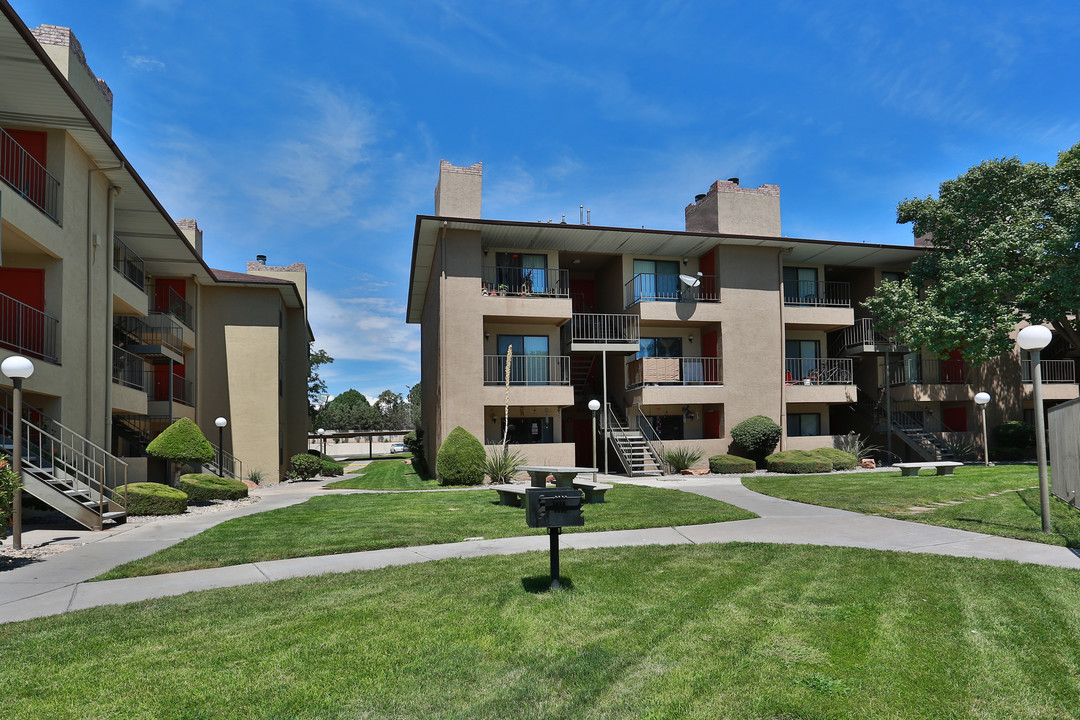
column 348, row 411
column 393, row 412
column 1006, row 249
column 415, row 408
column 316, row 385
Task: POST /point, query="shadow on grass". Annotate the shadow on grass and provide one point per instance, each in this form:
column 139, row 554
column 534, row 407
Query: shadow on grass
column 542, row 583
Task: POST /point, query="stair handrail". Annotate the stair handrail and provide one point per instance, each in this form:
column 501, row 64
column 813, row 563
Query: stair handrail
column 230, row 467
column 652, row 438
column 613, row 423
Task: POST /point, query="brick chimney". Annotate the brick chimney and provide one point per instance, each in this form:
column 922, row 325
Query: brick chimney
column 458, row 192
column 729, row 208
column 66, row 52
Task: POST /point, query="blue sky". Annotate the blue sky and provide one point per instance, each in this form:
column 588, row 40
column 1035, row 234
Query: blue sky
column 312, row 131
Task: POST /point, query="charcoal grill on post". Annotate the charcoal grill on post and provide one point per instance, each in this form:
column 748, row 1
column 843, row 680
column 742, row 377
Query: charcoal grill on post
column 554, row 508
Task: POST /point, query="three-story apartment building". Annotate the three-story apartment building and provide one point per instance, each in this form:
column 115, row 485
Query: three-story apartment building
column 679, row 334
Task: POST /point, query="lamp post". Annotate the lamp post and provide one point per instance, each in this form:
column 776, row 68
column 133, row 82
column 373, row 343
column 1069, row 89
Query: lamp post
column 18, row 369
column 221, row 423
column 322, row 440
column 981, row 399
column 1034, row 338
column 594, row 405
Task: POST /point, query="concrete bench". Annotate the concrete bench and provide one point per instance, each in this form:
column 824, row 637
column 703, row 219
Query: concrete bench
column 943, row 467
column 594, row 492
column 510, row 494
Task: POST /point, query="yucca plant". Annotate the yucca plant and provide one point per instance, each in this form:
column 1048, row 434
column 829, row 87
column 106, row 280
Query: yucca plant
column 681, row 458
column 501, row 464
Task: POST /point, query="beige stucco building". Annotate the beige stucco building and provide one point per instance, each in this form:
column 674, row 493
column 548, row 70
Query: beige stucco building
column 127, row 326
column 683, row 334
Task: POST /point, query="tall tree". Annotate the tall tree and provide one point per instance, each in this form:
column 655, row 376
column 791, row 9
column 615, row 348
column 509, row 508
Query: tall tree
column 316, row 385
column 1006, row 249
column 393, row 411
column 415, row 407
column 349, row 411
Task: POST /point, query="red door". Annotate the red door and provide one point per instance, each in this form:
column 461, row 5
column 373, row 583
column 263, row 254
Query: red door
column 583, row 295
column 955, row 418
column 952, row 370
column 710, row 348
column 162, row 286
column 22, row 326
column 27, row 178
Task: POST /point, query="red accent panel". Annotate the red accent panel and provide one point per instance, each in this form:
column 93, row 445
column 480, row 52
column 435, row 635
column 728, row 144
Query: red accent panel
column 32, row 141
column 707, row 263
column 583, row 295
column 955, row 419
column 161, row 292
column 27, row 285
column 711, row 423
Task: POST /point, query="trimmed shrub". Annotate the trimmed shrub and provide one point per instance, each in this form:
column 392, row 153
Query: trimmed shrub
column 756, row 437
column 730, row 464
column 797, row 462
column 304, row 466
column 182, row 442
column 461, row 459
column 1014, row 434
column 414, row 443
column 150, row 498
column 329, row 468
column 1008, row 454
column 840, row 460
column 201, row 487
column 682, row 458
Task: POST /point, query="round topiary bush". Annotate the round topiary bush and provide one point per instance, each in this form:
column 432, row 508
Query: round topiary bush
column 797, row 462
column 461, row 459
column 304, row 466
column 149, row 498
column 182, row 442
column 200, row 488
column 840, row 460
column 729, row 464
column 756, row 437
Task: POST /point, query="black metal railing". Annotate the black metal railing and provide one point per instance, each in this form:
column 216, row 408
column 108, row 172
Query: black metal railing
column 674, row 371
column 527, row 369
column 128, row 369
column 230, row 467
column 818, row 294
column 154, row 330
column 864, row 332
column 128, row 264
column 1053, row 371
column 525, row 282
column 167, row 301
column 928, row 372
column 602, row 328
column 818, row 371
column 27, row 330
column 28, row 177
column 653, row 287
column 159, row 386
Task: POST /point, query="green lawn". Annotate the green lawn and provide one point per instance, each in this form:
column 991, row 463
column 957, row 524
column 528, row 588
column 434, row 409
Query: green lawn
column 348, row 523
column 1011, row 514
column 391, row 473
column 713, row 631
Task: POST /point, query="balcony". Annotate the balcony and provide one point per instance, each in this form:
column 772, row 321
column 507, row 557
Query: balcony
column 817, row 294
column 128, row 264
column 160, row 386
column 651, row 287
column 128, row 369
column 28, row 331
column 819, row 380
column 525, row 282
column 167, row 301
column 922, row 380
column 156, row 337
column 527, row 370
column 28, row 177
column 674, row 371
column 602, row 331
column 1053, row 371
column 864, row 337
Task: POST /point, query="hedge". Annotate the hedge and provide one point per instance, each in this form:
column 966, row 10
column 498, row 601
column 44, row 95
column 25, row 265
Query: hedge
column 798, row 462
column 726, row 464
column 840, row 460
column 305, row 466
column 149, row 498
column 201, row 487
column 329, row 468
column 461, row 459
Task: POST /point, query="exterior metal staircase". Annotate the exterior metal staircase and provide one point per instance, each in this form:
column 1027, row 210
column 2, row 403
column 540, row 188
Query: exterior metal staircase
column 639, row 454
column 926, row 443
column 65, row 470
column 139, row 430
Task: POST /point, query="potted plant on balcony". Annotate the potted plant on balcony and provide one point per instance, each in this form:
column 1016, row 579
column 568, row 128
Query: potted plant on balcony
column 503, row 289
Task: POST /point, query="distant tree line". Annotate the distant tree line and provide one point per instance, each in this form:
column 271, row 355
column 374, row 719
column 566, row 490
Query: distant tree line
column 351, row 411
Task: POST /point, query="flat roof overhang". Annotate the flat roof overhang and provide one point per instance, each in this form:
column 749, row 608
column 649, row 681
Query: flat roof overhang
column 544, row 237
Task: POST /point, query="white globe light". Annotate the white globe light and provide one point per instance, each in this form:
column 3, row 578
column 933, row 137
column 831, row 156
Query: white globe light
column 221, row 422
column 17, row 366
column 1034, row 337
column 982, row 398
column 321, row 431
column 594, row 405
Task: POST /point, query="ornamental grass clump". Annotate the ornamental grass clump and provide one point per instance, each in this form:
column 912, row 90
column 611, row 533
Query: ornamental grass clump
column 461, row 459
column 681, row 458
column 756, row 437
column 150, row 498
column 730, row 464
column 202, row 487
column 500, row 465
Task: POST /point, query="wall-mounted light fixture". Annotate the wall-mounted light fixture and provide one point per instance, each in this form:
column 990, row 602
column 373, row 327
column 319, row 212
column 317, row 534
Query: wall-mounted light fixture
column 685, row 260
column 691, row 338
column 487, row 335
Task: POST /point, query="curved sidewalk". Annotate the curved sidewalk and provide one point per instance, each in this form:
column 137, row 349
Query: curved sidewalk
column 57, row 584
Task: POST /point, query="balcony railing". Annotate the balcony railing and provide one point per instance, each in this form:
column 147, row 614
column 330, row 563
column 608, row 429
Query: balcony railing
column 674, row 371
column 602, row 328
column 525, row 282
column 863, row 332
column 128, row 264
column 167, row 301
column 928, row 372
column 1053, row 371
column 28, row 177
column 818, row 371
column 527, row 370
column 128, row 369
column 653, row 287
column 27, row 330
column 152, row 331
column 159, row 386
column 818, row 294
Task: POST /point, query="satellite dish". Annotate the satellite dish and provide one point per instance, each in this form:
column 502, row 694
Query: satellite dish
column 690, row 281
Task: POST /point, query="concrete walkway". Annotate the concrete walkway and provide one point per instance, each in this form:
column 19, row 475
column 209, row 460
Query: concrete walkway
column 58, row 583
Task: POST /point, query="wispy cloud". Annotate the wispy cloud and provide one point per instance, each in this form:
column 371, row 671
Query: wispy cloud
column 364, row 328
column 143, row 62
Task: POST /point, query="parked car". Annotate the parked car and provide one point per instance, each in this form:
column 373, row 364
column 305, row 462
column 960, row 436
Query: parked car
column 398, row 447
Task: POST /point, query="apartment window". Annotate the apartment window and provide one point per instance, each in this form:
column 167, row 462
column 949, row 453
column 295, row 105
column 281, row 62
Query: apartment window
column 665, row 347
column 667, row 427
column 531, row 431
column 801, row 358
column 656, row 280
column 803, row 424
column 521, row 272
column 800, row 286
column 529, row 363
